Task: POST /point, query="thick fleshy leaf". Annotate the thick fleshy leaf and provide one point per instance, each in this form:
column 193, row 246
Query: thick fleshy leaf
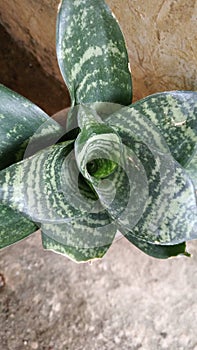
column 191, row 168
column 74, row 253
column 103, row 109
column 50, row 191
column 111, row 168
column 21, row 120
column 82, row 239
column 91, row 53
column 24, row 129
column 97, row 148
column 157, row 250
column 169, row 216
column 175, row 115
column 13, row 226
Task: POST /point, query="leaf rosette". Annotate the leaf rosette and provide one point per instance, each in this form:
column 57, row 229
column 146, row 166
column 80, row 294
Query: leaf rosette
column 115, row 165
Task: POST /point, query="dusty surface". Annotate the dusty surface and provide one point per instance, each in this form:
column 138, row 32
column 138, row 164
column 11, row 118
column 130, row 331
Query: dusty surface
column 161, row 36
column 127, row 301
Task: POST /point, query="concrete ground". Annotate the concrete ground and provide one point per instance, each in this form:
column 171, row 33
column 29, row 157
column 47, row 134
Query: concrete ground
column 126, row 301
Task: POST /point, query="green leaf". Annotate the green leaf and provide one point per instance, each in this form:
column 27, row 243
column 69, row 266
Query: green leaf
column 113, row 170
column 48, row 193
column 102, row 109
column 97, row 147
column 74, row 253
column 83, row 239
column 157, row 250
column 13, row 226
column 71, row 223
column 174, row 114
column 20, row 121
column 24, row 129
column 191, row 168
column 91, row 53
column 169, row 215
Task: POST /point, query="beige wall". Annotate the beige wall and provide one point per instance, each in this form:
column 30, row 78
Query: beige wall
column 161, row 36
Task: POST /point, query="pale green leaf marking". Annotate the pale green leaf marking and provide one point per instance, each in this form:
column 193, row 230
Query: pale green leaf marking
column 75, row 254
column 157, row 250
column 13, row 226
column 175, row 115
column 191, row 168
column 102, row 109
column 21, row 120
column 112, row 169
column 169, row 216
column 24, row 129
column 82, row 239
column 91, row 53
column 50, row 192
column 97, row 148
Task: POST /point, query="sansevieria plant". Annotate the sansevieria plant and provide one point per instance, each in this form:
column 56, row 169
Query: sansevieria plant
column 116, row 166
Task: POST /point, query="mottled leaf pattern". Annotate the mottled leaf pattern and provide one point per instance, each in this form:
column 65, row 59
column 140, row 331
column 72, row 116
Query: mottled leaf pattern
column 103, row 109
column 175, row 116
column 128, row 168
column 157, row 250
column 20, row 120
column 91, row 53
column 191, row 168
column 89, row 237
column 170, row 214
column 97, row 146
column 76, row 254
column 22, row 124
column 13, row 226
column 41, row 197
column 119, row 180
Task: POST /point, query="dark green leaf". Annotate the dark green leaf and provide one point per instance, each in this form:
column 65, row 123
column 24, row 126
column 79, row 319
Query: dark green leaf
column 170, row 214
column 97, row 148
column 175, row 115
column 91, row 53
column 157, row 250
column 82, row 239
column 13, row 226
column 21, row 120
column 49, row 192
column 74, row 253
column 24, row 129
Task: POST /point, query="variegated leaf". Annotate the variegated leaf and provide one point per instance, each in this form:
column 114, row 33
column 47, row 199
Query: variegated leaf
column 112, row 169
column 20, row 120
column 91, row 53
column 22, row 125
column 83, row 239
column 13, row 226
column 157, row 250
column 170, row 215
column 97, row 148
column 74, row 253
column 191, row 168
column 103, row 109
column 50, row 190
column 175, row 115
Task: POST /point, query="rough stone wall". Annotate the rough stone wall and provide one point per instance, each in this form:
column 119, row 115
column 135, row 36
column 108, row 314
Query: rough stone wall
column 161, row 37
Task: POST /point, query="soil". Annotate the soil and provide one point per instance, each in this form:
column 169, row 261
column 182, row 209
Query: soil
column 126, row 301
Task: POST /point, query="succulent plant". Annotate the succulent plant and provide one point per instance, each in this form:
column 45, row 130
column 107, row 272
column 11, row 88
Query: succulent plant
column 116, row 166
